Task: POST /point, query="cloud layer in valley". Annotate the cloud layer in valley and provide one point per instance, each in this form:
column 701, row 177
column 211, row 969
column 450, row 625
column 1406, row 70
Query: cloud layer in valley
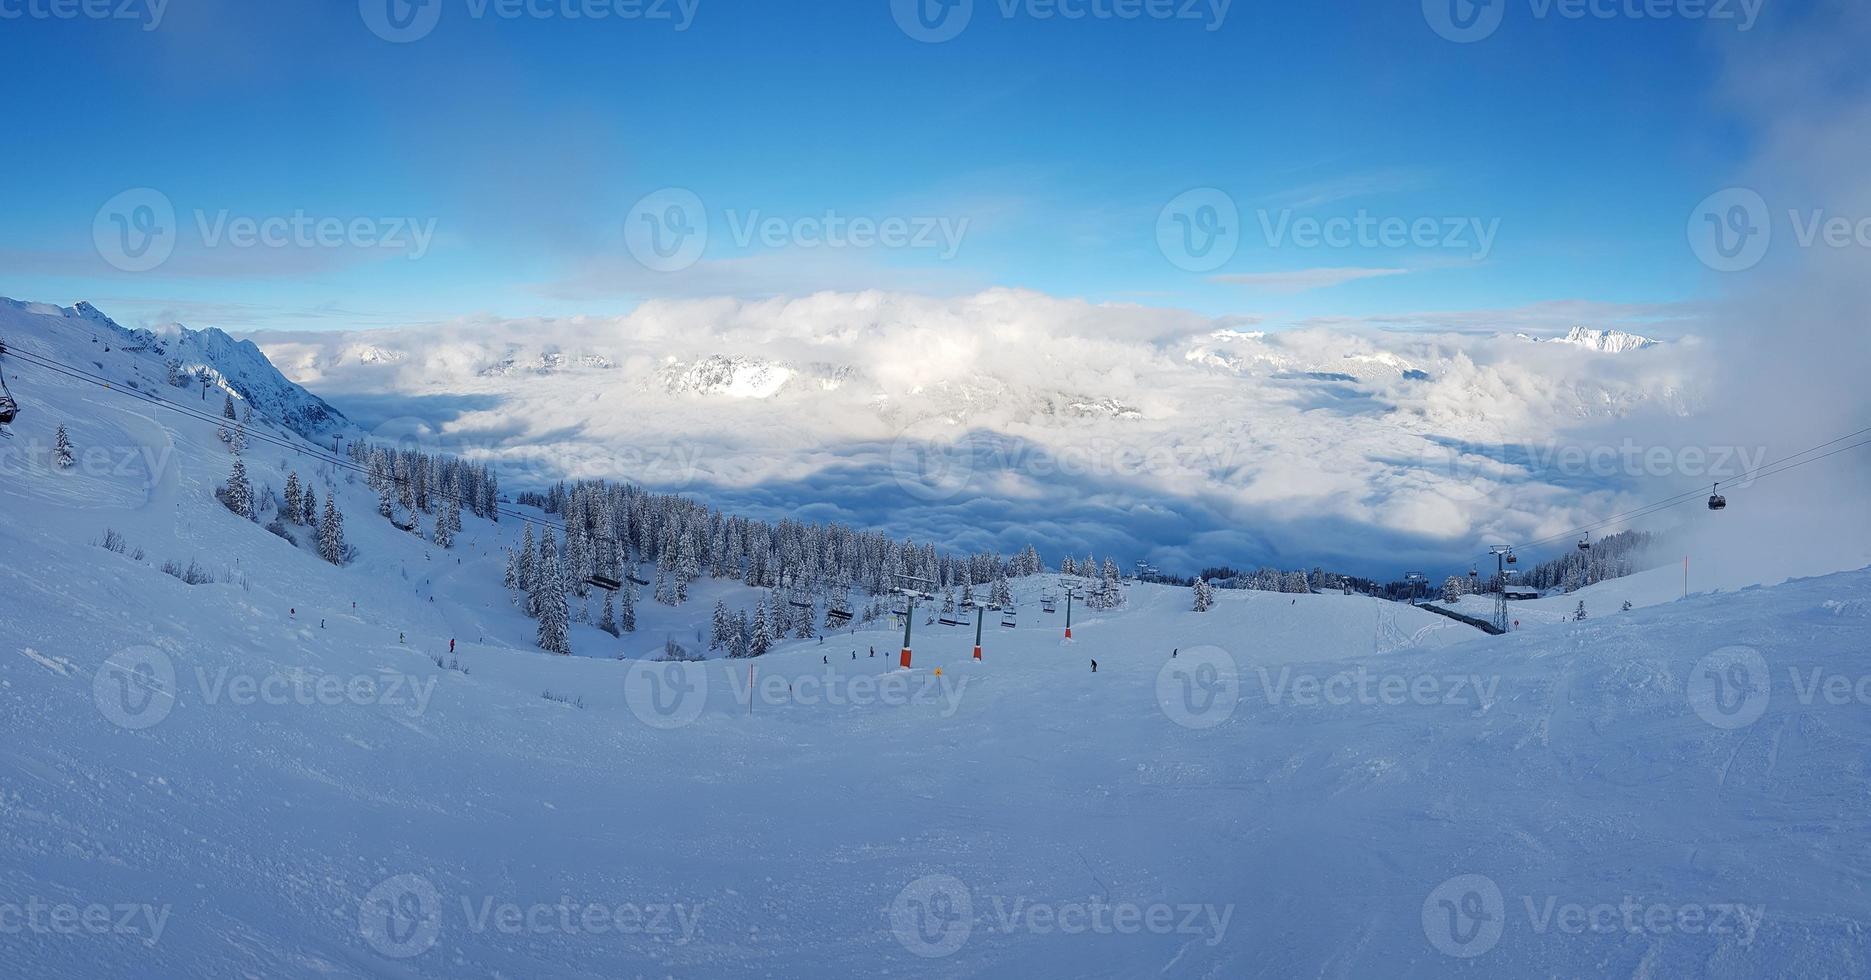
column 1000, row 417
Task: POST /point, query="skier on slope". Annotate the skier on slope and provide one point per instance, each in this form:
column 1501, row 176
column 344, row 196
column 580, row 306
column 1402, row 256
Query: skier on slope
column 1094, row 666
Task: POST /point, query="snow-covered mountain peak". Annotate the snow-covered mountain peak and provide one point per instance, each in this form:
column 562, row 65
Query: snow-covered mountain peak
column 236, row 367
column 1602, row 341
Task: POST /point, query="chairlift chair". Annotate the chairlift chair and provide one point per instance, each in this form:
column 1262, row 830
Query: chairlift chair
column 634, row 580
column 837, row 617
column 1511, row 559
column 948, row 620
column 9, row 408
column 1007, row 618
column 1585, row 543
column 1716, row 500
column 604, row 582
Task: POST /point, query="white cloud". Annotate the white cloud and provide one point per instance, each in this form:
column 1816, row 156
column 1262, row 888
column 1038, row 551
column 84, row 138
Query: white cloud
column 1130, row 429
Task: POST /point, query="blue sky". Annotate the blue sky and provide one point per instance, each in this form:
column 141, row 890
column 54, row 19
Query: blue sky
column 1055, row 144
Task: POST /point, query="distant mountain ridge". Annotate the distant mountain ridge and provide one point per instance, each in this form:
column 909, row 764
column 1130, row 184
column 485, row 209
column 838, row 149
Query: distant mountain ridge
column 236, row 367
column 1602, row 341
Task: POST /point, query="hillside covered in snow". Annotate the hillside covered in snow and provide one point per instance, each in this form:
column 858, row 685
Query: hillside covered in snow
column 282, row 766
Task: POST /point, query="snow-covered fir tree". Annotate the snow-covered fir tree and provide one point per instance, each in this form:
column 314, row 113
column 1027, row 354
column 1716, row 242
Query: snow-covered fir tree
column 665, row 585
column 523, row 571
column 61, row 449
column 237, row 494
column 1204, row 595
column 309, row 514
column 331, row 533
column 548, row 574
column 444, row 533
column 805, row 625
column 760, row 638
column 555, row 615
column 608, row 620
column 719, row 626
column 737, row 635
column 294, row 508
column 627, row 608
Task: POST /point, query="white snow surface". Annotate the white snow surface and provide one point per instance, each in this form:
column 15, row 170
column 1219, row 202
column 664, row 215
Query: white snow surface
column 1259, row 796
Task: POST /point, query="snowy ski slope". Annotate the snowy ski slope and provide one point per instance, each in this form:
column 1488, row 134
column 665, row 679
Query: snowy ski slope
column 252, row 778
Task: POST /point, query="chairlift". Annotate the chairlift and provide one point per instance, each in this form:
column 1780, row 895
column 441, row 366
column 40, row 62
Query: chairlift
column 604, row 582
column 948, row 620
column 1511, row 559
column 1585, row 543
column 634, row 580
column 9, row 408
column 837, row 617
column 798, row 604
column 1716, row 500
column 1007, row 618
column 1047, row 606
